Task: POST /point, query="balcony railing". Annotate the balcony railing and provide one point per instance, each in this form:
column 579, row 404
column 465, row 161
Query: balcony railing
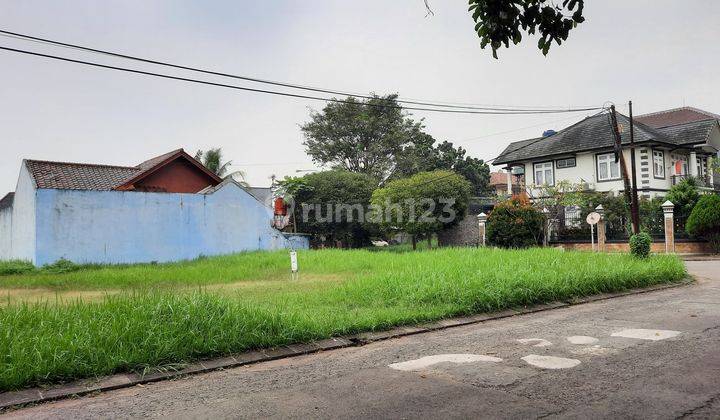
column 702, row 182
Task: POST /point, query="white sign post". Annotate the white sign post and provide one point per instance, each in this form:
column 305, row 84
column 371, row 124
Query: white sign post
column 592, row 219
column 293, row 265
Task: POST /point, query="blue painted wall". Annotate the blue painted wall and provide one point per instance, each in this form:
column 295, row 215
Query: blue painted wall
column 131, row 227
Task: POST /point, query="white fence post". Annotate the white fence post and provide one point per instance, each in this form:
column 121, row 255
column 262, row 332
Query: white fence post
column 482, row 218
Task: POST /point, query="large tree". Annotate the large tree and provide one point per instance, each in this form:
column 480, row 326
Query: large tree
column 423, row 204
column 332, row 206
column 498, row 22
column 362, row 136
column 424, row 156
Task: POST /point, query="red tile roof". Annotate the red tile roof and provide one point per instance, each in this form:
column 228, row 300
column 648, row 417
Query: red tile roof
column 86, row 176
column 78, row 176
column 675, row 116
column 500, row 178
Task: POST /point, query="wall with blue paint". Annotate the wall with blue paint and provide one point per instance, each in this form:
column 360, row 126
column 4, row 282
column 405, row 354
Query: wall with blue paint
column 131, row 227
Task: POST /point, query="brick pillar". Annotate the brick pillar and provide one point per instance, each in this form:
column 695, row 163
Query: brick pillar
column 482, row 218
column 601, row 228
column 668, row 208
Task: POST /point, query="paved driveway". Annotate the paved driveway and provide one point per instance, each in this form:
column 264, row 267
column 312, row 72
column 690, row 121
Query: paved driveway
column 654, row 355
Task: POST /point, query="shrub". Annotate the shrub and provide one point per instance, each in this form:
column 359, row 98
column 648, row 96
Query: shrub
column 15, row 267
column 60, row 266
column 684, row 195
column 704, row 220
column 640, row 244
column 515, row 223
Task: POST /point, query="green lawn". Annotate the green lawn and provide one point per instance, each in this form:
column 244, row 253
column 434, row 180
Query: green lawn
column 100, row 320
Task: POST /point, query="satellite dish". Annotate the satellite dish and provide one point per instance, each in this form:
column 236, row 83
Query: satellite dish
column 593, row 218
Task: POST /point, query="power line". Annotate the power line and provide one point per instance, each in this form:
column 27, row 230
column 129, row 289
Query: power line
column 509, row 109
column 271, row 92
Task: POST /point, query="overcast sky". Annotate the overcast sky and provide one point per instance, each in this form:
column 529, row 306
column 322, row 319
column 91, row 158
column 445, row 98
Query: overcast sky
column 660, row 54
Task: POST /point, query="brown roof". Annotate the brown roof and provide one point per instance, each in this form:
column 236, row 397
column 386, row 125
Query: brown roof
column 86, row 176
column 675, row 116
column 500, row 178
column 157, row 159
column 152, row 165
column 78, row 176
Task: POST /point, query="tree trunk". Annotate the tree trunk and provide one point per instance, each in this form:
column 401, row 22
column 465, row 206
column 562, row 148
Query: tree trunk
column 429, row 238
column 414, row 242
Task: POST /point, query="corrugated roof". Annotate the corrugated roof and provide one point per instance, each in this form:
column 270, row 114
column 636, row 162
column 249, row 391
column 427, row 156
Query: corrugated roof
column 592, row 133
column 263, row 194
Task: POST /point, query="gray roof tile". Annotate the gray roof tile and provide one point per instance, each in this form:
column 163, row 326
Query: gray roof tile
column 592, row 133
column 7, row 201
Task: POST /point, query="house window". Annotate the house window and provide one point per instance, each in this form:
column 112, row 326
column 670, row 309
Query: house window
column 544, row 174
column 658, row 164
column 607, row 168
column 565, row 163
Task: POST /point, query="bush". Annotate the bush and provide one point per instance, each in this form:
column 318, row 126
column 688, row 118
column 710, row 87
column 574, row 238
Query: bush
column 685, row 194
column 515, row 223
column 704, row 220
column 640, row 244
column 15, row 267
column 60, row 266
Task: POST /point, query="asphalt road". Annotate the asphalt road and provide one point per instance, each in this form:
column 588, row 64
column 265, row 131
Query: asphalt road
column 670, row 369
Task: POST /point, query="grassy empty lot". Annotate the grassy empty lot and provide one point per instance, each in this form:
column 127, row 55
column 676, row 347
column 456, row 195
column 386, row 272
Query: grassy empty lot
column 100, row 320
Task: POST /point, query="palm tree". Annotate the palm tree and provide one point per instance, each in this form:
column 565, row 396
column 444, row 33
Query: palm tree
column 212, row 159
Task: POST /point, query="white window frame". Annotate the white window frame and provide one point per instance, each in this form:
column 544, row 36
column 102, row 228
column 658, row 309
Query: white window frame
column 544, row 169
column 607, row 159
column 658, row 162
column 574, row 163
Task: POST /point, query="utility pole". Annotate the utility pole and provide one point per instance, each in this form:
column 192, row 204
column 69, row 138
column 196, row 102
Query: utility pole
column 619, row 157
column 634, row 206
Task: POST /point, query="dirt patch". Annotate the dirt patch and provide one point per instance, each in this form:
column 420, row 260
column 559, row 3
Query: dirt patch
column 42, row 295
column 52, row 296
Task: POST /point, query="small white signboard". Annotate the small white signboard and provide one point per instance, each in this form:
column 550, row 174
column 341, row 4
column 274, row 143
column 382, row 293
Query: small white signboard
column 293, row 261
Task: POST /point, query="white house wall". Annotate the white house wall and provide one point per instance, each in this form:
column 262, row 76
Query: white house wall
column 6, row 233
column 585, row 170
column 21, row 229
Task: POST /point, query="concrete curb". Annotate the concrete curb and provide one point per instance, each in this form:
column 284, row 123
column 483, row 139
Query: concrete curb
column 15, row 399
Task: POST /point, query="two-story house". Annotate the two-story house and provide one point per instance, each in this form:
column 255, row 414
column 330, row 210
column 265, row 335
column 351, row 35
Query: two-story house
column 669, row 146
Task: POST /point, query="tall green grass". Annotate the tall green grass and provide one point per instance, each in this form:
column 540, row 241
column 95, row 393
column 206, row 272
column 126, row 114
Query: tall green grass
column 47, row 342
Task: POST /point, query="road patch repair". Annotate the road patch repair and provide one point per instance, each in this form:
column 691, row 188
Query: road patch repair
column 535, row 342
column 582, row 339
column 643, row 334
column 427, row 361
column 550, row 362
column 540, row 361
